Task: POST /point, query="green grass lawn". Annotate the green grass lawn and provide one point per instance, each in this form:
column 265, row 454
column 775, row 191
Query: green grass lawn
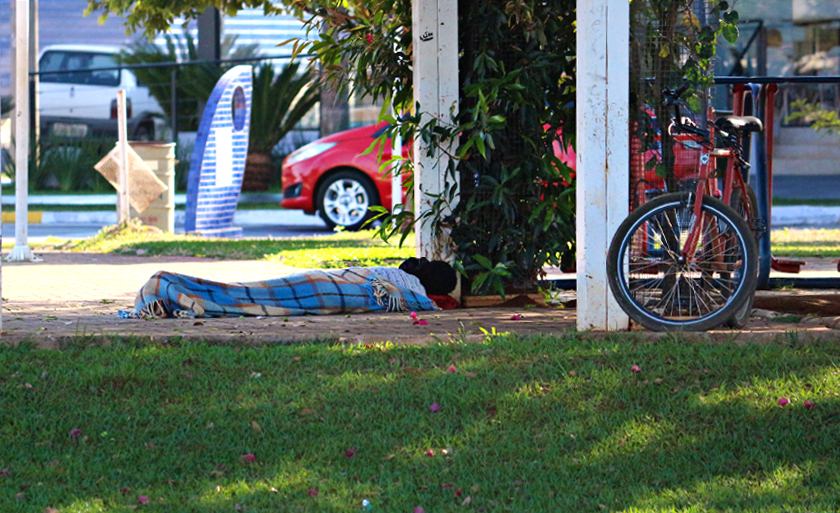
column 806, row 242
column 526, row 425
column 329, row 251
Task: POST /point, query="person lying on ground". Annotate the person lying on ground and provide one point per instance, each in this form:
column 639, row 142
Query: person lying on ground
column 315, row 292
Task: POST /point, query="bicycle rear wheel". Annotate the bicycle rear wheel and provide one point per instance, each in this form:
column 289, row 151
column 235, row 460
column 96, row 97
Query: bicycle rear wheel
column 747, row 207
column 663, row 291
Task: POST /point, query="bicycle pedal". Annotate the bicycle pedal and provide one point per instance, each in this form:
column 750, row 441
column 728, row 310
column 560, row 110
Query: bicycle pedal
column 757, row 224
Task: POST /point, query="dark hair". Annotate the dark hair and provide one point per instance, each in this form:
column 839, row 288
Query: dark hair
column 436, row 276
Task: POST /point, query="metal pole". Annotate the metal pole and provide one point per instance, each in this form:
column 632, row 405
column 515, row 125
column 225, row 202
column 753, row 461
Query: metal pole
column 173, row 106
column 21, row 251
column 122, row 145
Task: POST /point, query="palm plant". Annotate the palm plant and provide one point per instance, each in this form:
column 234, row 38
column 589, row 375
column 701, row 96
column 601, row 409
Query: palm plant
column 194, row 82
column 278, row 103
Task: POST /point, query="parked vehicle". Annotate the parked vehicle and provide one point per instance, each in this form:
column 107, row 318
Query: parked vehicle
column 331, row 177
column 82, row 101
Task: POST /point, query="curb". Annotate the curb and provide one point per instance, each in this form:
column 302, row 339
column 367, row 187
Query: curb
column 792, row 216
column 294, row 218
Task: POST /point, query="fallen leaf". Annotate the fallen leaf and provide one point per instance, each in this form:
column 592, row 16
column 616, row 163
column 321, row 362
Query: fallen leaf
column 273, row 490
column 306, row 411
column 470, row 374
column 390, row 456
column 475, row 488
column 198, row 323
column 256, row 427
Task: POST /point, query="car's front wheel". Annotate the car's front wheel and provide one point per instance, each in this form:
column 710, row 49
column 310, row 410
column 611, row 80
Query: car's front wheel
column 345, row 198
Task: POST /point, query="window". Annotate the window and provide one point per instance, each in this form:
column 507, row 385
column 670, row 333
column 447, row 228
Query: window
column 82, row 62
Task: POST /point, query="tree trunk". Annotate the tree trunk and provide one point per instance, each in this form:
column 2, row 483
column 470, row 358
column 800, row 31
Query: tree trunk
column 258, row 172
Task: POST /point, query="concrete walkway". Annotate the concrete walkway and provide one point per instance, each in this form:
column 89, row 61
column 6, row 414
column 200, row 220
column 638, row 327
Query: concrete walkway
column 78, row 294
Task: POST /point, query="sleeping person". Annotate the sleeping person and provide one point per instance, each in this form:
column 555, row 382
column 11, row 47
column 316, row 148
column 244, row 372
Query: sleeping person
column 315, row 292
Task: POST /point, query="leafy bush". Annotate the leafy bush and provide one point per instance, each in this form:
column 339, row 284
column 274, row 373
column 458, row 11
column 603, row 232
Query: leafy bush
column 513, row 215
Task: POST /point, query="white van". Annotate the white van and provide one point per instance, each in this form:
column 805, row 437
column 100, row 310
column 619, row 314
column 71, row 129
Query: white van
column 84, row 103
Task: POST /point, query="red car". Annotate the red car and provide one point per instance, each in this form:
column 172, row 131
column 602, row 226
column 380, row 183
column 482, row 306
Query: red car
column 331, row 177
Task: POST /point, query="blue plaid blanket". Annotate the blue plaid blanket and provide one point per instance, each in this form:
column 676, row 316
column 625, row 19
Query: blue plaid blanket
column 355, row 289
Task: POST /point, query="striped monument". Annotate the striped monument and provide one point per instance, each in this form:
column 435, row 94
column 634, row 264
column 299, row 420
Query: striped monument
column 218, row 161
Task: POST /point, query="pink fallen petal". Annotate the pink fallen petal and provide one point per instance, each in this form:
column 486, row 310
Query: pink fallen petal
column 447, row 485
column 421, row 322
column 636, row 369
column 350, row 452
column 249, row 458
column 466, row 501
column 143, row 499
column 313, row 492
column 515, row 317
column 458, row 492
column 783, row 401
column 809, row 405
column 413, row 315
column 452, row 368
column 434, row 407
column 4, row 472
column 238, row 507
column 75, row 433
column 430, row 452
column 20, row 496
column 419, row 509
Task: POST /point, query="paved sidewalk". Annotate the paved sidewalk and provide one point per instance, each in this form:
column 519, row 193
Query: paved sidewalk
column 72, row 294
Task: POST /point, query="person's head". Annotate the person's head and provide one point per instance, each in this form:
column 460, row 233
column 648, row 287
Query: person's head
column 436, row 276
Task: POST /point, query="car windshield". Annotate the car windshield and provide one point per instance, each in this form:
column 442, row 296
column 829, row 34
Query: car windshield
column 80, row 63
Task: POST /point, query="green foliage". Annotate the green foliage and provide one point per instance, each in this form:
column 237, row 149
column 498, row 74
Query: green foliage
column 278, row 104
column 538, row 424
column 194, row 83
column 821, row 120
column 65, row 164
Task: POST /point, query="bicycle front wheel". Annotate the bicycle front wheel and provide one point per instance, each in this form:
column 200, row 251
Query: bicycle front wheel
column 665, row 286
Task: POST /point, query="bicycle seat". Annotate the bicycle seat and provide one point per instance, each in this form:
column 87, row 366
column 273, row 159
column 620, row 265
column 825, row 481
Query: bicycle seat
column 739, row 123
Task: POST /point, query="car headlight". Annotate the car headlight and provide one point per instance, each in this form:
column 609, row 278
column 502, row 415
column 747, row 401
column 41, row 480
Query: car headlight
column 307, row 152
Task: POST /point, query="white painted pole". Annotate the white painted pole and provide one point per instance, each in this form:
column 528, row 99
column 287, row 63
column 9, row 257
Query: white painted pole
column 122, row 145
column 396, row 179
column 21, row 251
column 435, row 40
column 603, row 157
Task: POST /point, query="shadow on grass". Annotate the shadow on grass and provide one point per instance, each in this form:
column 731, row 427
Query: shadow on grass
column 525, row 424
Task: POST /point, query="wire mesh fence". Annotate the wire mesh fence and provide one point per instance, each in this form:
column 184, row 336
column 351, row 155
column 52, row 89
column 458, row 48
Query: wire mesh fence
column 662, row 51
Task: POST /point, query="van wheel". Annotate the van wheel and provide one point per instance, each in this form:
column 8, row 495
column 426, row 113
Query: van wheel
column 144, row 132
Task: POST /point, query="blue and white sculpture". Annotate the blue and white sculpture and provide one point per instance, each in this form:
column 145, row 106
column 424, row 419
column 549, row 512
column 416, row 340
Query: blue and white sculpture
column 218, row 161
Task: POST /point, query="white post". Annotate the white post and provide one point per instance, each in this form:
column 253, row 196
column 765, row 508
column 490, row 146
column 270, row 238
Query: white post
column 396, row 180
column 435, row 39
column 21, row 251
column 603, row 156
column 122, row 145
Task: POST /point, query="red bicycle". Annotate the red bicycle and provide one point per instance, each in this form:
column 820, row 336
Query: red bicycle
column 689, row 260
